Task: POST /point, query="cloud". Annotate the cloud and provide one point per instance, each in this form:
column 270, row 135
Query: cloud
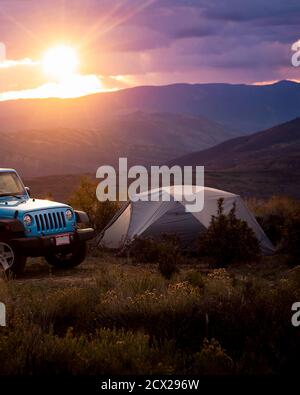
column 20, row 74
column 7, row 63
column 242, row 10
column 75, row 86
column 131, row 41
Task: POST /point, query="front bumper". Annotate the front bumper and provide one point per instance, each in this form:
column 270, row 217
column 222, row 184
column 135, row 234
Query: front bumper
column 39, row 246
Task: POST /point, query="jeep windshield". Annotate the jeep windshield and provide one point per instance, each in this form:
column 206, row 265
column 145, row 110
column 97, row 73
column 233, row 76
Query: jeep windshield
column 11, row 185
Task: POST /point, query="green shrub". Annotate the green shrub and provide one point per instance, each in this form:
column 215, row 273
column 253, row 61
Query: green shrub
column 127, row 319
column 167, row 263
column 31, row 351
column 169, row 256
column 290, row 242
column 273, row 225
column 84, row 198
column 280, row 218
column 273, row 213
column 281, row 206
column 228, row 239
column 144, row 249
column 195, row 278
column 166, row 252
column 212, row 359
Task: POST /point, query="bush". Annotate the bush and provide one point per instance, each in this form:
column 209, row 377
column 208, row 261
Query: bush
column 280, row 218
column 168, row 258
column 129, row 320
column 144, row 249
column 108, row 351
column 195, row 278
column 281, row 206
column 228, row 239
column 84, row 198
column 272, row 225
column 272, row 214
column 213, row 360
column 290, row 242
column 167, row 253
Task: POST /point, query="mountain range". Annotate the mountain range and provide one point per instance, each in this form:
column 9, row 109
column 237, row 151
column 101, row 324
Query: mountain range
column 149, row 125
column 276, row 148
column 262, row 164
column 246, row 108
column 141, row 137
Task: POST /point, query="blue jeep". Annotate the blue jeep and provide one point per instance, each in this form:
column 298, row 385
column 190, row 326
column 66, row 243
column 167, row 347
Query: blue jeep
column 33, row 227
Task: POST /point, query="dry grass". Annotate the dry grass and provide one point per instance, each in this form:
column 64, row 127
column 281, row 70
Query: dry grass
column 112, row 316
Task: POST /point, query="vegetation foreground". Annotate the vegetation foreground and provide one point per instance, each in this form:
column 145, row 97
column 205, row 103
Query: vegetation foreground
column 156, row 310
column 114, row 316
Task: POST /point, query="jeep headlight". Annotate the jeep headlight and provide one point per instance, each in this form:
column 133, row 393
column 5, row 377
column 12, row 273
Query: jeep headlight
column 27, row 220
column 69, row 215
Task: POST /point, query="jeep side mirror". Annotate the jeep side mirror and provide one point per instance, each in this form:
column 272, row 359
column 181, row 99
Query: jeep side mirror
column 28, row 191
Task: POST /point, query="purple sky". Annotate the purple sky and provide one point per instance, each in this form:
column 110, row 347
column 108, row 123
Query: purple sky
column 134, row 42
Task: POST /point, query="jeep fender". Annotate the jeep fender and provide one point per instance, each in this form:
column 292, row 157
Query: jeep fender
column 82, row 217
column 10, row 228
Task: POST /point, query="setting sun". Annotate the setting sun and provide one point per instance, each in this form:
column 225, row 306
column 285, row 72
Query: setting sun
column 62, row 79
column 60, row 62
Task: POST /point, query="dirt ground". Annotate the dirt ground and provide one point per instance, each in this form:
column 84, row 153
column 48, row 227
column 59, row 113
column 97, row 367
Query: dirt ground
column 38, row 271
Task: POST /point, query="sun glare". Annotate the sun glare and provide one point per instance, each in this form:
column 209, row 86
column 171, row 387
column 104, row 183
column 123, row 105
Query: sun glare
column 60, row 62
column 62, row 78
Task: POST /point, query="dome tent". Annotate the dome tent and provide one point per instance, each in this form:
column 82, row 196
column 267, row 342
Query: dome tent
column 156, row 217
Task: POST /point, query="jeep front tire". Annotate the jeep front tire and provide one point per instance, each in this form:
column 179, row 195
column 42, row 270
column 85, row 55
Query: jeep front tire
column 11, row 260
column 68, row 260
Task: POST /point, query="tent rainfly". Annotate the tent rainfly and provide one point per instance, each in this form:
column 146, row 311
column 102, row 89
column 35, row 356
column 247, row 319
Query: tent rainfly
column 156, row 217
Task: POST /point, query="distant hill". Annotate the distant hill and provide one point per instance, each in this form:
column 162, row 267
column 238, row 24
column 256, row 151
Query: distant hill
column 258, row 184
column 246, row 108
column 260, row 165
column 142, row 137
column 277, row 148
column 149, row 125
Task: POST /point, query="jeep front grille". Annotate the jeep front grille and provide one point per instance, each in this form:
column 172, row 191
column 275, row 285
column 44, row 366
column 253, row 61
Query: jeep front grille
column 50, row 221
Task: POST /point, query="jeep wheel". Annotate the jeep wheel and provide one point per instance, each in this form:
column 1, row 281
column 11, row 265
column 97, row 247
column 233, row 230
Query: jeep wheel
column 11, row 261
column 69, row 260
